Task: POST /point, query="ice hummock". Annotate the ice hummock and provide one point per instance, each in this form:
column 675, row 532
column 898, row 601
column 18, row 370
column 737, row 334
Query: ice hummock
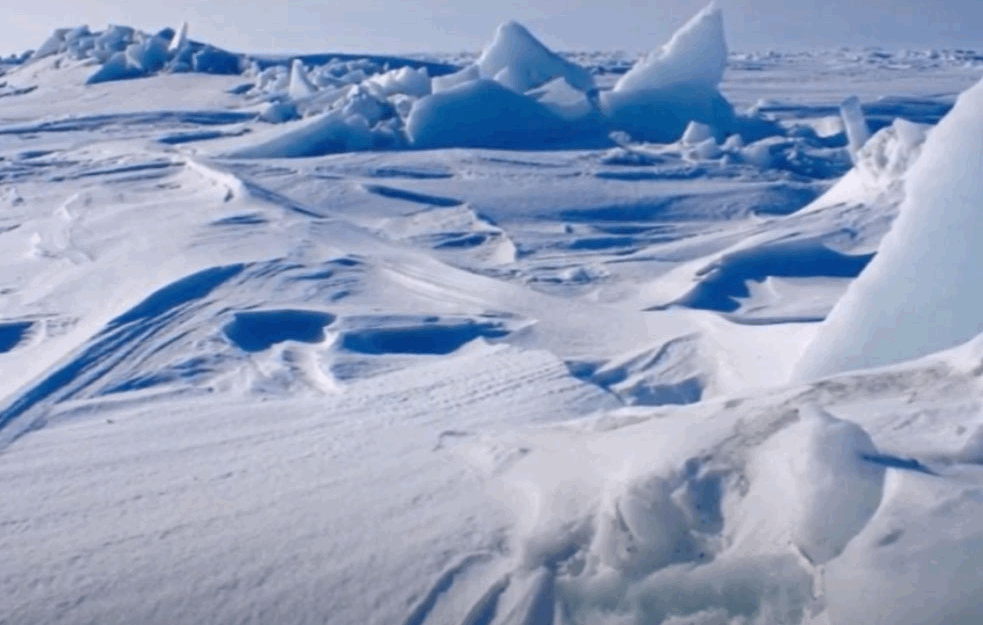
column 921, row 292
column 300, row 85
column 519, row 61
column 696, row 56
column 668, row 89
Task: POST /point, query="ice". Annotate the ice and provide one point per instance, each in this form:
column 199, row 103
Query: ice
column 405, row 81
column 179, row 40
column 324, row 134
column 482, row 113
column 517, row 60
column 855, row 124
column 564, row 101
column 668, row 89
column 300, row 86
column 696, row 133
column 919, row 295
column 695, row 56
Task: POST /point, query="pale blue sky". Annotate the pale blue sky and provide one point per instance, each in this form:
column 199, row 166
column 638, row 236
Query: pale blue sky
column 442, row 25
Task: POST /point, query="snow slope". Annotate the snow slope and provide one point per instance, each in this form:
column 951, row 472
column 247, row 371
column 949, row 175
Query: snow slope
column 919, row 295
column 249, row 380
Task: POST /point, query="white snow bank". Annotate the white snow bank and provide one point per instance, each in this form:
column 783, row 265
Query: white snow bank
column 917, row 561
column 482, row 114
column 696, row 55
column 921, row 292
column 818, row 469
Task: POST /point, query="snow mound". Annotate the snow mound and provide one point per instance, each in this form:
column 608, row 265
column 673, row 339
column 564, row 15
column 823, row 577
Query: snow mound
column 921, row 293
column 696, row 55
column 832, row 489
column 519, row 61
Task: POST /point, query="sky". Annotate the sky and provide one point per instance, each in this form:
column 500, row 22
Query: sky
column 399, row 26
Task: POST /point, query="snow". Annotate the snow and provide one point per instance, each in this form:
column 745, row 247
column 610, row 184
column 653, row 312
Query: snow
column 918, row 295
column 300, row 86
column 542, row 382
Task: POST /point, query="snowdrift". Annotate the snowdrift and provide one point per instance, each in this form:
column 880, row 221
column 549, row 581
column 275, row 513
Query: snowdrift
column 920, row 294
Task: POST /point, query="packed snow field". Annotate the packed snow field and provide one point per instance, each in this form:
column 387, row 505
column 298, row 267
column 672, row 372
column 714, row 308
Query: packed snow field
column 509, row 338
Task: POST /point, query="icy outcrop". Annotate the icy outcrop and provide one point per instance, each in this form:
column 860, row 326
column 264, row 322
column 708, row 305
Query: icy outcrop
column 179, row 39
column 665, row 91
column 485, row 114
column 405, row 80
column 921, row 292
column 123, row 52
column 696, row 55
column 519, row 61
column 820, row 468
column 300, row 86
column 855, row 124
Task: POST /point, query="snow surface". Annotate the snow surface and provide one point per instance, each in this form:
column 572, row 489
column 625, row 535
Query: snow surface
column 265, row 362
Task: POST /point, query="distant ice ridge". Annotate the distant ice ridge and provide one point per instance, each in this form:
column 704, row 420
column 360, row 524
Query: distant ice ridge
column 124, row 52
column 921, row 292
column 516, row 94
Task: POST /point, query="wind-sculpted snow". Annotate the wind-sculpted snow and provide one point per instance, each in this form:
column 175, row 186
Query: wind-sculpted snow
column 266, row 359
column 918, row 296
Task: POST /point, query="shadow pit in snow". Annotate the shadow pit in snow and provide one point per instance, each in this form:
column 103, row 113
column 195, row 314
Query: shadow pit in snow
column 722, row 283
column 255, row 331
column 436, row 338
column 11, row 334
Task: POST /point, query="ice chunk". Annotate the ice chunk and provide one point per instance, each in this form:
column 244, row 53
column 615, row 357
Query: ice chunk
column 278, row 112
column 211, row 60
column 328, row 133
column 921, row 292
column 466, row 75
column 300, row 85
column 697, row 133
column 53, row 44
column 178, row 40
column 519, row 61
column 482, row 114
column 855, row 124
column 662, row 115
column 695, row 55
column 663, row 92
column 118, row 67
column 149, row 55
column 406, row 80
column 563, row 100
